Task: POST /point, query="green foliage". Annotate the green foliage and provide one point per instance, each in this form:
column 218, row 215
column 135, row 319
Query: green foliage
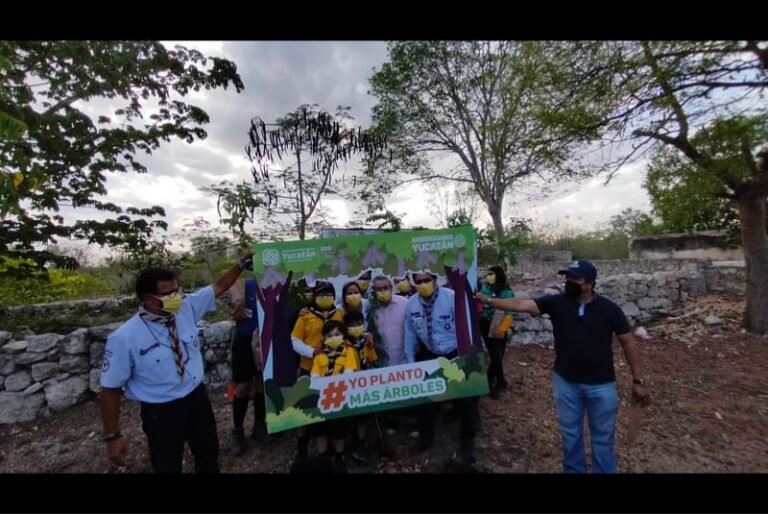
column 632, row 222
column 458, row 218
column 608, row 242
column 65, row 155
column 47, row 285
column 486, row 104
column 690, row 197
column 518, row 235
column 386, row 220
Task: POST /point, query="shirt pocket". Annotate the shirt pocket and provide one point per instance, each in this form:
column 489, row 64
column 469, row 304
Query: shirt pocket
column 158, row 365
column 190, row 340
column 445, row 322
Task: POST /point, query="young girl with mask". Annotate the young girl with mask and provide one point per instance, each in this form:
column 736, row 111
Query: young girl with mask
column 495, row 287
column 338, row 356
column 352, row 299
column 307, row 339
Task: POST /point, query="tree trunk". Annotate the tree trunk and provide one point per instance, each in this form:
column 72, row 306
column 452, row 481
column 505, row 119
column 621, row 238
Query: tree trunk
column 495, row 212
column 494, row 209
column 754, row 240
column 302, row 229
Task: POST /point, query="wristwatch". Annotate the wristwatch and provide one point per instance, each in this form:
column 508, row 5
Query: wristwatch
column 246, row 263
column 640, row 381
column 111, row 437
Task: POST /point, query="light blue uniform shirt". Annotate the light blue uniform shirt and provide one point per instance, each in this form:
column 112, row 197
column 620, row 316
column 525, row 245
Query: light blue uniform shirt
column 139, row 357
column 443, row 325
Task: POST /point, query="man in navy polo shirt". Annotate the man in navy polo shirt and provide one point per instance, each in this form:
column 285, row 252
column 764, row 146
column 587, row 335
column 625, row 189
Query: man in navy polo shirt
column 584, row 378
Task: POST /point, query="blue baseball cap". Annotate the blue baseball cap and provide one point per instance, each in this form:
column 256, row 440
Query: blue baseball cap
column 582, row 269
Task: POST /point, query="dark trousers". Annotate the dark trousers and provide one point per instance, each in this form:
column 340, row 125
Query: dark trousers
column 189, row 419
column 496, row 350
column 467, row 409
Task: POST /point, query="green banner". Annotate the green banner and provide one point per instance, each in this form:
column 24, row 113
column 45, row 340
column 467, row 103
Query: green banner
column 391, row 252
column 450, row 253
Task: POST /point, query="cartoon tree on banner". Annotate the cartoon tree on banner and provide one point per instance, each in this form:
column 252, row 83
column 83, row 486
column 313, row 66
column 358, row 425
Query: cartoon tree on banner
column 372, row 257
column 425, row 259
column 341, row 264
column 467, row 331
column 275, row 334
column 400, row 267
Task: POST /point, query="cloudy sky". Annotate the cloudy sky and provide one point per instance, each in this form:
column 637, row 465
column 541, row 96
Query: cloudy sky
column 280, row 76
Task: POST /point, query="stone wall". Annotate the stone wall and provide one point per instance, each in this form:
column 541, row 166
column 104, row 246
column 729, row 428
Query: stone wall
column 530, row 270
column 47, row 373
column 642, row 297
column 726, row 277
column 715, row 245
column 55, row 308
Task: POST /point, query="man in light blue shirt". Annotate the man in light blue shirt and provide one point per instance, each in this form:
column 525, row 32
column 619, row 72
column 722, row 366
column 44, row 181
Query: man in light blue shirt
column 155, row 357
column 430, row 332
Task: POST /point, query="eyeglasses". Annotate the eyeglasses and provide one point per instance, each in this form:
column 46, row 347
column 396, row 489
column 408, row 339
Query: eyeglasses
column 381, row 289
column 170, row 294
column 423, row 281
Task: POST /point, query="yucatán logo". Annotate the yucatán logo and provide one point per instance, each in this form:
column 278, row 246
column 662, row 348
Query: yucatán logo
column 270, row 257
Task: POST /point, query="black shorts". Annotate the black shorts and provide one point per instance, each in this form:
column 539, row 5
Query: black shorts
column 243, row 363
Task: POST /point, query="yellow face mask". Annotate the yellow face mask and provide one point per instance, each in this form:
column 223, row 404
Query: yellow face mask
column 404, row 286
column 363, row 285
column 354, row 299
column 490, row 279
column 333, row 342
column 171, row 303
column 357, row 331
column 426, row 290
column 384, row 296
column 324, row 302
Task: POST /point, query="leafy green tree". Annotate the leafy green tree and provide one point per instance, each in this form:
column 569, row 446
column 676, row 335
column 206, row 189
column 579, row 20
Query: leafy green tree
column 702, row 100
column 482, row 103
column 63, row 157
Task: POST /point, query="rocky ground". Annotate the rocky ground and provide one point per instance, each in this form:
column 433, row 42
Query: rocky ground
column 709, row 415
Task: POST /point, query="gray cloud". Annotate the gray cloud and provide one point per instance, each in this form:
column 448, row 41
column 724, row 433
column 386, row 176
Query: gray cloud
column 280, row 76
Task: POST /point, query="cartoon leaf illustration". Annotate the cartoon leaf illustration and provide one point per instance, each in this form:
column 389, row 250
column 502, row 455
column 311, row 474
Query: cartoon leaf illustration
column 451, row 370
column 289, row 418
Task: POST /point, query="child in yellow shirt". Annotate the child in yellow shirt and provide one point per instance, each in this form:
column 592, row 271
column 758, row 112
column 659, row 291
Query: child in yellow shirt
column 338, row 356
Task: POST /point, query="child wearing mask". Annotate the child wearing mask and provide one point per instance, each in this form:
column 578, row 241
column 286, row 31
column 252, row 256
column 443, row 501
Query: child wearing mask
column 338, row 356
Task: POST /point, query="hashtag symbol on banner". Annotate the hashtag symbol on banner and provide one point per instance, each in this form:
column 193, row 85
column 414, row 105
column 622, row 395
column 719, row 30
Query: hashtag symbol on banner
column 333, row 396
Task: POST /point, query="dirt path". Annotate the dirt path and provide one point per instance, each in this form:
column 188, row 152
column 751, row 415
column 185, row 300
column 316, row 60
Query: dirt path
column 709, row 415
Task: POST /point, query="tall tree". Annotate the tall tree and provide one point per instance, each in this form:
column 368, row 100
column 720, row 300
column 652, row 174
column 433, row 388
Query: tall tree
column 313, row 143
column 663, row 94
column 64, row 156
column 481, row 103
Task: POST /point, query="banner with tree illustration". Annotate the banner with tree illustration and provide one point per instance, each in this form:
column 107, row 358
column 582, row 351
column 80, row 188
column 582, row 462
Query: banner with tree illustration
column 450, row 253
